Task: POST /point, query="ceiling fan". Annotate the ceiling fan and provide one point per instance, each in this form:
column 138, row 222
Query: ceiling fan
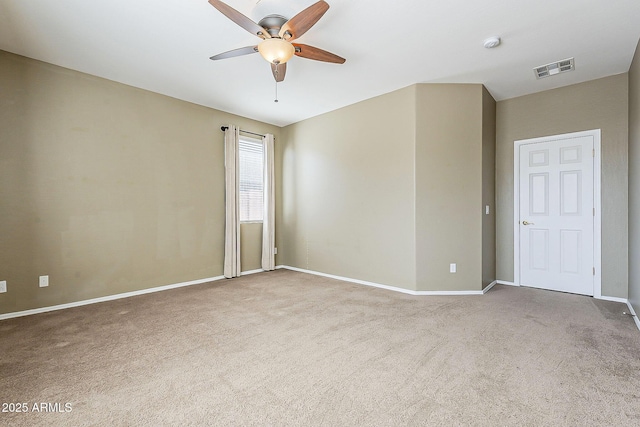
column 277, row 34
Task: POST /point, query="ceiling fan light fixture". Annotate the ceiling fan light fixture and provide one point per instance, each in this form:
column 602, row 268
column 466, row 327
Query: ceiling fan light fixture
column 276, row 50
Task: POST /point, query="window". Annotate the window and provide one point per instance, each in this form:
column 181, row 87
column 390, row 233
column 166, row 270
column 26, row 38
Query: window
column 251, row 167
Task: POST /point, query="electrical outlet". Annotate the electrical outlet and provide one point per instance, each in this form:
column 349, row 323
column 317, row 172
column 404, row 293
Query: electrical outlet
column 3, row 286
column 452, row 267
column 44, row 281
column 275, row 251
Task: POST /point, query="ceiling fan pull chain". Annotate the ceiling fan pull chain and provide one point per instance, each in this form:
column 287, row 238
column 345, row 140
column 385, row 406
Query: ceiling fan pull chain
column 276, row 100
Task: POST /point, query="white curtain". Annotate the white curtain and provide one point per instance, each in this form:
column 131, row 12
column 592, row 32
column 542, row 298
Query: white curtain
column 269, row 213
column 232, row 203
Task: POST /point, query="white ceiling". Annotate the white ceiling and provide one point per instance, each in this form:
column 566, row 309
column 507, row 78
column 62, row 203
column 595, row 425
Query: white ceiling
column 164, row 46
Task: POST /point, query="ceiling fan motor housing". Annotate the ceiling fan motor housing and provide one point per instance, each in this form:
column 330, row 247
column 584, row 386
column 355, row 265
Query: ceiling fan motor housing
column 273, row 23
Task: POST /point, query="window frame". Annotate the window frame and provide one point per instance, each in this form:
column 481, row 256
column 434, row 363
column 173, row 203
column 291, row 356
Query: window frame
column 256, row 141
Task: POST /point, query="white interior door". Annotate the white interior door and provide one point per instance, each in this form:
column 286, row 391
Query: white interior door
column 556, row 214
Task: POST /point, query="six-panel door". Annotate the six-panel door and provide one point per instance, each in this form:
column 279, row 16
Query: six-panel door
column 556, row 215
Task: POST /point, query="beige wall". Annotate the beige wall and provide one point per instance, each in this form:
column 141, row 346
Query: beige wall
column 634, row 182
column 347, row 197
column 598, row 104
column 104, row 187
column 449, row 148
column 390, row 190
column 251, row 246
column 488, row 188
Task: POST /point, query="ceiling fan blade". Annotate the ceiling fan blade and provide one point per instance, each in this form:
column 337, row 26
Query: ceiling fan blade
column 299, row 24
column 240, row 19
column 279, row 71
column 310, row 52
column 235, row 52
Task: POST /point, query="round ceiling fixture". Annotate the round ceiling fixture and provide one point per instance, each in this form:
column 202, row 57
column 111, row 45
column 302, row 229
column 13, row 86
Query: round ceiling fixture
column 276, row 50
column 491, row 42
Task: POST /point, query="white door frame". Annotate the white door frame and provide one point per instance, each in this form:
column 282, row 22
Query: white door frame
column 597, row 223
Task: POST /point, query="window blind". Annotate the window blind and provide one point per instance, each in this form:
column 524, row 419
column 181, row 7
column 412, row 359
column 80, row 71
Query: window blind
column 251, row 179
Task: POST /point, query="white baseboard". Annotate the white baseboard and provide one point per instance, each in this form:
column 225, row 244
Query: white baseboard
column 387, row 287
column 410, row 292
column 633, row 312
column 107, row 298
column 491, row 285
column 317, row 273
column 503, row 282
column 427, row 293
column 602, row 297
column 614, row 299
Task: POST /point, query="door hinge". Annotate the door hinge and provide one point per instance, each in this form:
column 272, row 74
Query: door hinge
column 594, row 211
column 593, row 152
column 594, row 271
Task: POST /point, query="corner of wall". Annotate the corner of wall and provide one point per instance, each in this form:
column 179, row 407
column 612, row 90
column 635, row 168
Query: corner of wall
column 347, row 191
column 448, row 178
column 488, row 188
column 634, row 180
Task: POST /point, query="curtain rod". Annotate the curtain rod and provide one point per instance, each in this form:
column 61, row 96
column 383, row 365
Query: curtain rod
column 223, row 128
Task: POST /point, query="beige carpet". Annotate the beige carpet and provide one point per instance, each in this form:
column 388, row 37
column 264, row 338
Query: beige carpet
column 286, row 348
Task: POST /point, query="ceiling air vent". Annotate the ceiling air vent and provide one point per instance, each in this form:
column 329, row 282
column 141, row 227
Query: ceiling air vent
column 554, row 68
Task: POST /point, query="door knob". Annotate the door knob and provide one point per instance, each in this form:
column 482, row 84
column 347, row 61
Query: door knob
column 527, row 223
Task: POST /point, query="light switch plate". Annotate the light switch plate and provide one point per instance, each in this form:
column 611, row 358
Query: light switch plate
column 44, row 281
column 452, row 267
column 3, row 286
